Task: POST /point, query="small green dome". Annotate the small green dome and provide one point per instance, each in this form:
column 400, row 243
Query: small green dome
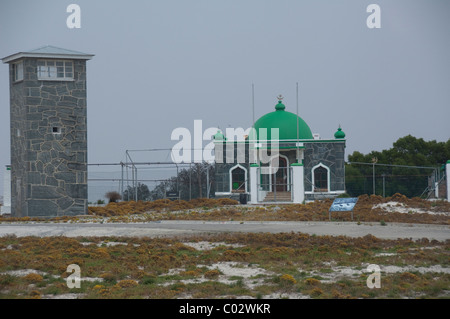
column 286, row 122
column 339, row 133
column 219, row 136
column 280, row 106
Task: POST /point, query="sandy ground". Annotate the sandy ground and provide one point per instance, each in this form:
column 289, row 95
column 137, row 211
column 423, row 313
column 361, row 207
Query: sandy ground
column 397, row 207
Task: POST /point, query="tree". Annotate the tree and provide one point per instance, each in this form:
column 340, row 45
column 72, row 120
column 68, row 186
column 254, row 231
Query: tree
column 406, row 151
column 113, row 196
column 190, row 183
column 143, row 193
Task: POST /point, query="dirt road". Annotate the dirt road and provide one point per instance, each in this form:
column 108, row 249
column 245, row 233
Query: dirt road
column 173, row 228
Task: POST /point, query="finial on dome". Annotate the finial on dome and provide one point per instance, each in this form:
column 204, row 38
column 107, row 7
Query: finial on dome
column 280, row 106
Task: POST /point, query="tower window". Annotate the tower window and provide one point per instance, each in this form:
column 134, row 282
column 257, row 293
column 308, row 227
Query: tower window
column 18, row 71
column 55, row 70
column 56, row 130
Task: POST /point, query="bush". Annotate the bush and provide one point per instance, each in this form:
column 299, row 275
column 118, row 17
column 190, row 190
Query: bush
column 287, row 280
column 407, row 276
column 108, row 277
column 316, row 292
column 33, row 278
column 212, row 274
column 127, row 283
column 35, row 294
column 227, row 201
column 148, row 280
column 6, row 280
column 113, row 196
column 312, row 281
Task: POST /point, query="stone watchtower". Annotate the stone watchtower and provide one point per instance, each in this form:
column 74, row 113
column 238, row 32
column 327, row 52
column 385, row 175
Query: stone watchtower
column 48, row 132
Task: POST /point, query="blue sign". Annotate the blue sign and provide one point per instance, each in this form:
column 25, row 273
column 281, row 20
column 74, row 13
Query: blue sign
column 343, row 204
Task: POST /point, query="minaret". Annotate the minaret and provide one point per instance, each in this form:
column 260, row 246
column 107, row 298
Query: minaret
column 48, row 132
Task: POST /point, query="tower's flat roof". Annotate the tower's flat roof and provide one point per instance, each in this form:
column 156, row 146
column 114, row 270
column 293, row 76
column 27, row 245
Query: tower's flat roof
column 48, row 51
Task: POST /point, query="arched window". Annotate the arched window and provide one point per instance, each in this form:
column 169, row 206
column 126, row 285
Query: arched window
column 238, row 179
column 321, row 178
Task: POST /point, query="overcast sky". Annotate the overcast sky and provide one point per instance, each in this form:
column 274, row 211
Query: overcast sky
column 160, row 65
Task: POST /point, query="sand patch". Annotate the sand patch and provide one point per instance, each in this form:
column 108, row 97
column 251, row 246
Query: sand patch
column 422, row 270
column 206, row 245
column 251, row 275
column 384, row 254
column 397, row 207
column 230, row 272
column 277, row 295
column 339, row 273
column 63, row 296
column 25, row 272
column 108, row 244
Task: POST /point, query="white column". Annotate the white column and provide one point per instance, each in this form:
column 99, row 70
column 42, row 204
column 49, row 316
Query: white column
column 298, row 185
column 447, row 176
column 436, row 190
column 254, row 183
column 6, row 207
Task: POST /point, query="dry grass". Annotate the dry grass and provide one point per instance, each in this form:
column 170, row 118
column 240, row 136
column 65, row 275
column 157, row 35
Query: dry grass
column 368, row 209
column 160, row 205
column 255, row 265
column 287, row 265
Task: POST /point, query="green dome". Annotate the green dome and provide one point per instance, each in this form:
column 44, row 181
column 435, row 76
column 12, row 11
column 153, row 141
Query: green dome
column 219, row 136
column 339, row 133
column 286, row 122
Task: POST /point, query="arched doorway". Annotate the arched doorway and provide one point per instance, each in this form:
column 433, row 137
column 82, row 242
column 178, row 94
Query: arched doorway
column 280, row 179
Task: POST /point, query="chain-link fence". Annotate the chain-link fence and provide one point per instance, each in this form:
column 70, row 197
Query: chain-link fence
column 387, row 179
column 135, row 180
column 149, row 174
column 117, row 177
column 150, row 181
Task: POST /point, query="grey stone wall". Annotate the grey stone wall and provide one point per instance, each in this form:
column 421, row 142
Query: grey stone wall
column 48, row 169
column 222, row 176
column 230, row 159
column 330, row 154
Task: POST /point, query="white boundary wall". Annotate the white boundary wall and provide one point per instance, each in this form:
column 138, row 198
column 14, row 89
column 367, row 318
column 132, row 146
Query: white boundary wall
column 6, row 207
